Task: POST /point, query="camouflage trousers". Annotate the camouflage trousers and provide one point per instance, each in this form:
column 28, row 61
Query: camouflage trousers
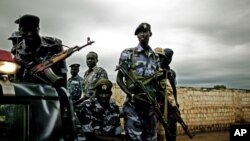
column 139, row 125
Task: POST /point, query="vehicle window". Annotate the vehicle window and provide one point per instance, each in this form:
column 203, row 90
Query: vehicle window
column 13, row 122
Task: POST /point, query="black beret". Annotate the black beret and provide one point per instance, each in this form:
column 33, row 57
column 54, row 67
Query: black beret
column 103, row 85
column 143, row 26
column 28, row 21
column 74, row 65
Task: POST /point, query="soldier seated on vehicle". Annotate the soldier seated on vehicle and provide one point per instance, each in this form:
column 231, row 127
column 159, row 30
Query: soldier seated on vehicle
column 100, row 116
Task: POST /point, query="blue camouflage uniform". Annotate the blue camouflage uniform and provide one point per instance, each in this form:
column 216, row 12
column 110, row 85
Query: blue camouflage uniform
column 90, row 78
column 75, row 87
column 140, row 123
column 95, row 119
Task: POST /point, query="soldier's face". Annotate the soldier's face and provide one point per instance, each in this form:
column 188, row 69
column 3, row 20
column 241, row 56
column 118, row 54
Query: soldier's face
column 143, row 36
column 91, row 60
column 103, row 96
column 29, row 33
column 164, row 61
column 74, row 71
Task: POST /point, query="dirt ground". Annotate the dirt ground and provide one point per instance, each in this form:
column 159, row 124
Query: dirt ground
column 208, row 136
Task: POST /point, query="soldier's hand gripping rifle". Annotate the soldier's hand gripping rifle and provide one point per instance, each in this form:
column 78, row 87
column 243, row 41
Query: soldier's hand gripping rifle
column 57, row 58
column 150, row 100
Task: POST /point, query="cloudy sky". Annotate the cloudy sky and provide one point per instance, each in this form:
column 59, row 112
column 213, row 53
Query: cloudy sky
column 210, row 38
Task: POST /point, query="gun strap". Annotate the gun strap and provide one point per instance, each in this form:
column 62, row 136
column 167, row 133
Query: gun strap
column 144, row 80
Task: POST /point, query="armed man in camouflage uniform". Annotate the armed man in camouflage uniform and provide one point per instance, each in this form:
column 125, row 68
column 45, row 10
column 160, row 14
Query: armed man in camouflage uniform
column 100, row 116
column 74, row 86
column 171, row 76
column 140, row 62
column 33, row 49
column 75, row 83
column 168, row 86
column 92, row 75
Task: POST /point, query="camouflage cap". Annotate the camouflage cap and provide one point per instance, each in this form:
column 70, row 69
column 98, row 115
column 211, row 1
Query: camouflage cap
column 74, row 65
column 159, row 51
column 143, row 26
column 103, row 85
column 15, row 35
column 28, row 21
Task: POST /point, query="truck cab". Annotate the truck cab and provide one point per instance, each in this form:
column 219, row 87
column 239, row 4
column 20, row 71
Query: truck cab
column 33, row 112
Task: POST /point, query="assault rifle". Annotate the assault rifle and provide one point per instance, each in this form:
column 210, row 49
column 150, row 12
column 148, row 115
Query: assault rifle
column 150, row 100
column 57, row 58
column 177, row 116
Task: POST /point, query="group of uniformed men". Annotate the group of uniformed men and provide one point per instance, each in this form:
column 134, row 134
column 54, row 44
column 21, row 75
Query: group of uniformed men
column 98, row 114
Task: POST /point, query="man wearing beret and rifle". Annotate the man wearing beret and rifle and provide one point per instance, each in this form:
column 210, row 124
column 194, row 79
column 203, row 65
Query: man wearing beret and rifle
column 139, row 64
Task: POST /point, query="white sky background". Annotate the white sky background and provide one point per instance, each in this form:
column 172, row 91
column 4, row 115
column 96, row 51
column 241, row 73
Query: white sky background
column 210, row 38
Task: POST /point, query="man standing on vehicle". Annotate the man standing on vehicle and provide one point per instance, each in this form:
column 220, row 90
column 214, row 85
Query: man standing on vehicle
column 34, row 49
column 140, row 62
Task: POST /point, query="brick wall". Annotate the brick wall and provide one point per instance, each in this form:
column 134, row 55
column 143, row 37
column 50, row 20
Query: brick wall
column 207, row 109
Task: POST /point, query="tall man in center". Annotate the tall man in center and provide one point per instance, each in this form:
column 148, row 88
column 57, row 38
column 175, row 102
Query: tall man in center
column 141, row 63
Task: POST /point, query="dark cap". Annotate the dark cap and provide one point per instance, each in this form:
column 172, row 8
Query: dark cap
column 74, row 65
column 28, row 21
column 103, row 85
column 143, row 26
column 168, row 52
column 15, row 35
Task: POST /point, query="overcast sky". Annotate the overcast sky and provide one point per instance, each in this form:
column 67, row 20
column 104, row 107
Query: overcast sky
column 210, row 38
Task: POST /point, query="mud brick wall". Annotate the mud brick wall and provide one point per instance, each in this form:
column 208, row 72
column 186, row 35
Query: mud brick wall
column 207, row 109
